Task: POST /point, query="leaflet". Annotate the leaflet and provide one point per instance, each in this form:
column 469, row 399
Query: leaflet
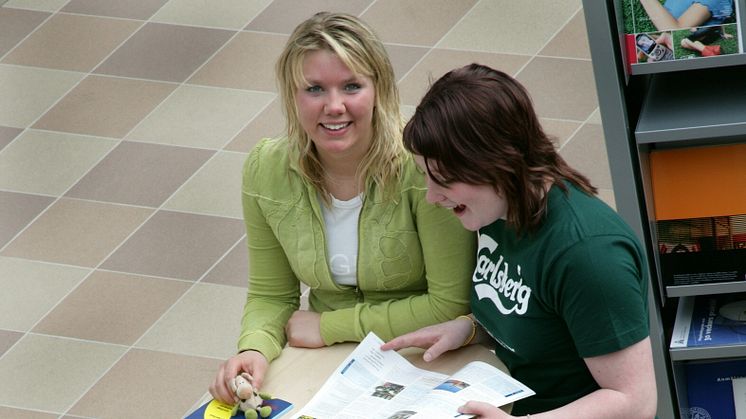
column 371, row 383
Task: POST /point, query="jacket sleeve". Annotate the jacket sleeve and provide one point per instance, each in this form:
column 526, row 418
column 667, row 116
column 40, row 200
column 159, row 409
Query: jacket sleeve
column 274, row 292
column 449, row 253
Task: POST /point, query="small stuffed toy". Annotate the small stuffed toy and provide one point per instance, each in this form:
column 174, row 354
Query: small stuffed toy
column 251, row 401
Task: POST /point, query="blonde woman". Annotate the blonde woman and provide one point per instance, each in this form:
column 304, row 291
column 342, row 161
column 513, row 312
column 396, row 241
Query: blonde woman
column 339, row 205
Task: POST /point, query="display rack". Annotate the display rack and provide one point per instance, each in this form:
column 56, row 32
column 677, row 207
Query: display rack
column 645, row 108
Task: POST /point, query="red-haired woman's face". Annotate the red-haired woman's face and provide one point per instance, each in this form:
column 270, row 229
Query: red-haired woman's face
column 475, row 205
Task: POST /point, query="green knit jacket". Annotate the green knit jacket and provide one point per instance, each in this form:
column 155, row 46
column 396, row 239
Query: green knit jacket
column 414, row 259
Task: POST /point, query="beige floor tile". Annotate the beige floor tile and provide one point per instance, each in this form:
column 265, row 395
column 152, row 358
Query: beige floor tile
column 49, row 162
column 440, row 61
column 17, row 210
column 269, row 123
column 31, row 289
column 112, row 307
column 65, row 367
column 282, row 16
column 214, row 190
column 233, row 269
column 17, row 24
column 105, row 106
column 27, row 92
column 403, row 58
column 586, row 152
column 44, row 5
column 9, row 412
column 571, row 41
column 569, row 93
column 164, row 52
column 197, row 324
column 561, row 130
column 246, row 62
column 120, row 176
column 132, row 9
column 176, row 245
column 72, row 42
column 234, row 14
column 508, row 26
column 8, row 134
column 595, row 117
column 415, row 22
column 77, row 232
column 199, row 116
column 8, row 338
column 162, row 384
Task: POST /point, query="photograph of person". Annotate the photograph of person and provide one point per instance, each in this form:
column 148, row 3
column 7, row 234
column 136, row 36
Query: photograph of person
column 339, row 205
column 561, row 282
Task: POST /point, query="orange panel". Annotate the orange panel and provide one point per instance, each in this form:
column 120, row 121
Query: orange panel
column 699, row 182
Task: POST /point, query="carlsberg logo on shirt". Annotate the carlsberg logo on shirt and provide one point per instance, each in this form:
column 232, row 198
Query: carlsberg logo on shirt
column 494, row 280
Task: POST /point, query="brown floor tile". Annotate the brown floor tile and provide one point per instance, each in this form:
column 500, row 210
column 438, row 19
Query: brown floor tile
column 586, row 151
column 133, row 9
column 144, row 375
column 440, row 61
column 105, row 106
column 176, row 245
column 269, row 123
column 282, row 16
column 112, row 307
column 571, row 41
column 72, row 42
column 7, row 134
column 415, row 22
column 17, row 24
column 77, row 232
column 246, row 62
column 561, row 88
column 164, row 52
column 8, row 338
column 233, row 269
column 17, row 210
column 9, row 412
column 120, row 176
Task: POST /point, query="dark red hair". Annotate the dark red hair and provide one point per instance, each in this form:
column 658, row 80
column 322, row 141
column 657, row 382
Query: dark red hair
column 478, row 125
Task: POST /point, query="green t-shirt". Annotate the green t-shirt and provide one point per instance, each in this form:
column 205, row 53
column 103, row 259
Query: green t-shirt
column 575, row 288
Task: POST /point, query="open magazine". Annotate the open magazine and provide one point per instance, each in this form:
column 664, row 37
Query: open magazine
column 371, row 383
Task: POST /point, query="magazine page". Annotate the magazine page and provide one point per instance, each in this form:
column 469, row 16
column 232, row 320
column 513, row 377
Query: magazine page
column 649, row 38
column 371, row 383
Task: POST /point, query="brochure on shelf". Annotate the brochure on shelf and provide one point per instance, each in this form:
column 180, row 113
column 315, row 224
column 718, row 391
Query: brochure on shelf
column 710, row 387
column 646, row 43
column 371, row 383
column 710, row 320
column 700, row 213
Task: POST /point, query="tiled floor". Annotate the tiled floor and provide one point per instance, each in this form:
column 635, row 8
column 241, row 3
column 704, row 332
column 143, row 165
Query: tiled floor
column 123, row 128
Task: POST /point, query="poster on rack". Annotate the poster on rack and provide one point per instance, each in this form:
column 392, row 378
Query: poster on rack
column 653, row 32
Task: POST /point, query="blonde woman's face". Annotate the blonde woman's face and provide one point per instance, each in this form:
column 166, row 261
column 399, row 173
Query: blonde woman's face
column 336, row 108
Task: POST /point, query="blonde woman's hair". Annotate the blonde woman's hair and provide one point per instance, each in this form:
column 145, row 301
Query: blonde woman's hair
column 358, row 47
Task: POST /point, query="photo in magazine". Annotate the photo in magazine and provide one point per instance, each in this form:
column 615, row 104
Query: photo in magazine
column 651, row 36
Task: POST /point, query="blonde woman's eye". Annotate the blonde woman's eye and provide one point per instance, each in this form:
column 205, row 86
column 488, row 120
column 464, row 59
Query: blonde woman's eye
column 352, row 87
column 313, row 89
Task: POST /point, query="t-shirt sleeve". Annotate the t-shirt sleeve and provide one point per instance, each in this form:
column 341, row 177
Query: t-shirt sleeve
column 601, row 292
